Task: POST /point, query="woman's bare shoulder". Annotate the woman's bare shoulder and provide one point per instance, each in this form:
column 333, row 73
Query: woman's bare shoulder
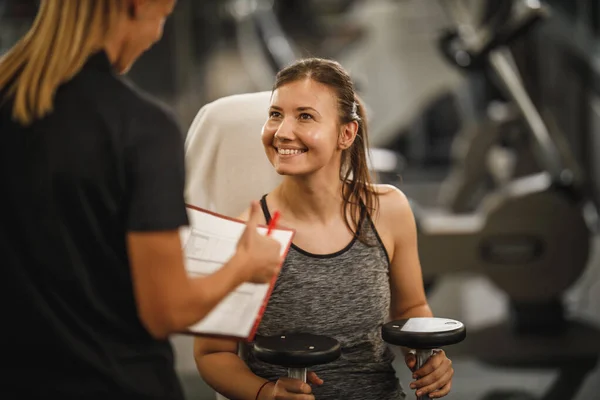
column 393, row 203
column 387, row 191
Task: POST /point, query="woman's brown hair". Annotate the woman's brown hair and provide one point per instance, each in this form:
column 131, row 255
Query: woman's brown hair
column 354, row 171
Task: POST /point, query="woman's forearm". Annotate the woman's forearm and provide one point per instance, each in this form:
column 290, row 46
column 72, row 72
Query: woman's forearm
column 229, row 375
column 205, row 293
column 422, row 310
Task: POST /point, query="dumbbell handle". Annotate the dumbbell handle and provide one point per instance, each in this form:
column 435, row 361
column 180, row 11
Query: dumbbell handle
column 422, row 357
column 297, row 373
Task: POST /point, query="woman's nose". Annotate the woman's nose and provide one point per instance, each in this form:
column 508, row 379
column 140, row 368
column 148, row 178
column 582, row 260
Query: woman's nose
column 285, row 130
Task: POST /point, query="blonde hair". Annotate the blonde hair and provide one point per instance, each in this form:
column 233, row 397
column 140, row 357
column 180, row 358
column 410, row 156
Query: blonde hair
column 64, row 34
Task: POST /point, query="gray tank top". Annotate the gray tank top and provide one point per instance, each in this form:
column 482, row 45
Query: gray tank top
column 345, row 295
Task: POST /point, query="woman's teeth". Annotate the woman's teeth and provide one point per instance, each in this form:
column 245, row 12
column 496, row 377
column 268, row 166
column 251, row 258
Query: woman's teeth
column 290, row 151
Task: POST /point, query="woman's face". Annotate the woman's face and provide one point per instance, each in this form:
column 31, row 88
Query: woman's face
column 302, row 130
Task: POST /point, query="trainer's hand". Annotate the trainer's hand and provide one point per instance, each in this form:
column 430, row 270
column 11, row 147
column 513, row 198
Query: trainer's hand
column 259, row 255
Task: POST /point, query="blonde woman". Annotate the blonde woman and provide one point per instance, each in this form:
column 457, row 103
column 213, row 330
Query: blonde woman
column 93, row 280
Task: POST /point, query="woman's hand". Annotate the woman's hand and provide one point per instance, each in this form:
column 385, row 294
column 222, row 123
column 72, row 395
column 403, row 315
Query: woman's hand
column 434, row 378
column 294, row 389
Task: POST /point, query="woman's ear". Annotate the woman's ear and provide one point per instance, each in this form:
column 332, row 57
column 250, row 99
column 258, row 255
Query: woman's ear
column 347, row 135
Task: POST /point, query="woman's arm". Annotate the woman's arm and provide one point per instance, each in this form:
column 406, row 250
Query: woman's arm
column 396, row 219
column 406, row 278
column 154, row 209
column 408, row 292
column 168, row 301
column 223, row 370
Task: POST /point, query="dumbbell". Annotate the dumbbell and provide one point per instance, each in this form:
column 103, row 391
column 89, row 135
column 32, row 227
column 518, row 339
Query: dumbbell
column 423, row 335
column 297, row 352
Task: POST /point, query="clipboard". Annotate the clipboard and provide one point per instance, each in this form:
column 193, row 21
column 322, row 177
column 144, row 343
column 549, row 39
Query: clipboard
column 208, row 243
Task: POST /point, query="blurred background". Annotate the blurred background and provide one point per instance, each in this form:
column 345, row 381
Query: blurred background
column 488, row 113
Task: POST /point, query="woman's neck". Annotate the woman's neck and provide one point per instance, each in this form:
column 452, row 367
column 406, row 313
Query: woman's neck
column 117, row 48
column 311, row 199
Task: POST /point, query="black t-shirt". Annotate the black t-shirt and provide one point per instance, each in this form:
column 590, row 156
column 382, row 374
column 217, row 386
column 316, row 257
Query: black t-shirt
column 106, row 161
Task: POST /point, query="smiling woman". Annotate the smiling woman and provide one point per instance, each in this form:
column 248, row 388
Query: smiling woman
column 314, row 109
column 353, row 263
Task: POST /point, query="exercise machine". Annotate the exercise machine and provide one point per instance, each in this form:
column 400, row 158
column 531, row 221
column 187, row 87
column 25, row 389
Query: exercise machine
column 494, row 147
column 268, row 36
column 529, row 236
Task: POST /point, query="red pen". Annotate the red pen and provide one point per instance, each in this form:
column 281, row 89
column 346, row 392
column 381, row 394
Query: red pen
column 273, row 222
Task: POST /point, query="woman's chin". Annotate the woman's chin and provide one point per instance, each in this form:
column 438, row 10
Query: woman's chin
column 287, row 171
column 284, row 172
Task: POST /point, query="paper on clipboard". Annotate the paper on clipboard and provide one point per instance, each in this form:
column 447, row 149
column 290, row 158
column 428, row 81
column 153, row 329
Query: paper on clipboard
column 210, row 241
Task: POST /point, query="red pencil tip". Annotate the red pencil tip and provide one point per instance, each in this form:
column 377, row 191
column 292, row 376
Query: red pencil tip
column 273, row 222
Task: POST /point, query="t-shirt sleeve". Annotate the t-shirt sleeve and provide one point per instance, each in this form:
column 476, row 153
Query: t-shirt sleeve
column 155, row 170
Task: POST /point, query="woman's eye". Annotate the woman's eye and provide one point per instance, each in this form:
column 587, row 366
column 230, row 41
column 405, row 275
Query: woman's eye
column 305, row 116
column 274, row 114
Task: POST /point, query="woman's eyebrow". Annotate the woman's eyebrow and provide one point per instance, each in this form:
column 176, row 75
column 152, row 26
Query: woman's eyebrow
column 299, row 109
column 307, row 109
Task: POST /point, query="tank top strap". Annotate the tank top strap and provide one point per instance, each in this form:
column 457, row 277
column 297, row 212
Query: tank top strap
column 364, row 219
column 265, row 209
